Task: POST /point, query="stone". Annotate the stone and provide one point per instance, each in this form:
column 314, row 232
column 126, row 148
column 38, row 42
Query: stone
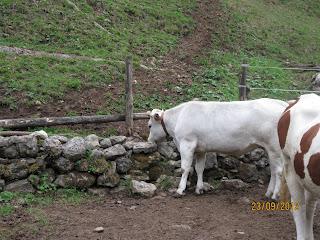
column 82, row 165
column 40, row 134
column 234, row 184
column 60, row 138
column 261, row 163
column 108, row 179
column 229, row 162
column 128, row 145
column 99, row 229
column 62, row 165
column 175, row 164
column 166, row 150
column 99, row 166
column 248, row 172
column 92, row 141
column 117, row 139
column 115, row 151
column 75, row 179
column 74, row 149
column 124, row 164
column 21, row 168
column 143, row 161
column 211, row 160
column 257, row 154
column 4, row 141
column 144, row 147
column 138, row 175
column 2, row 184
column 63, row 181
column 27, row 146
column 20, row 186
column 143, row 188
column 53, row 147
column 97, row 153
column 105, row 143
column 10, row 152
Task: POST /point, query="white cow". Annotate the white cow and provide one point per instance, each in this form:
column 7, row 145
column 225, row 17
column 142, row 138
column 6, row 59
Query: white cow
column 299, row 138
column 227, row 127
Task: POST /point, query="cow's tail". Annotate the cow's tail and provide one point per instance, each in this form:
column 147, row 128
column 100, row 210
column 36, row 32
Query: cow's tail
column 284, row 190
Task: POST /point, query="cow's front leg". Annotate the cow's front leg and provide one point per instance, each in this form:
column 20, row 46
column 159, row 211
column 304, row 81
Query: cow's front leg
column 186, row 151
column 200, row 164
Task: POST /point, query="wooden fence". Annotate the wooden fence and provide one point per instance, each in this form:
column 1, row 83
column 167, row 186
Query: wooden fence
column 244, row 89
column 128, row 117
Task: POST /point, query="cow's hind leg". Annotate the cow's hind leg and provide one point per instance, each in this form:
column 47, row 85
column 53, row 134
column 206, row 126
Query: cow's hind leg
column 186, row 151
column 200, row 163
column 276, row 167
column 310, row 208
column 297, row 197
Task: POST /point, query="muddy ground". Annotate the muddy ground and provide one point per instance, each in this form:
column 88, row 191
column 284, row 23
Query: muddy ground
column 219, row 215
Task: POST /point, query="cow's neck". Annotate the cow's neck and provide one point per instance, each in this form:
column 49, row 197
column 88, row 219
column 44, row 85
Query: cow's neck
column 170, row 119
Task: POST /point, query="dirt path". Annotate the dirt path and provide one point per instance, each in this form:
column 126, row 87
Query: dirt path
column 220, row 216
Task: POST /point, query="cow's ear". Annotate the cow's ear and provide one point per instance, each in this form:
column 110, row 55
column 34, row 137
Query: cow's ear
column 157, row 117
column 149, row 113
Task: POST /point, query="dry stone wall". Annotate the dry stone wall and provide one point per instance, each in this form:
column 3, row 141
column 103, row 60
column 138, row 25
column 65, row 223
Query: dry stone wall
column 40, row 162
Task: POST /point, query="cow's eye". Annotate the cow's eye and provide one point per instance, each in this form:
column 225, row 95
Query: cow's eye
column 149, row 126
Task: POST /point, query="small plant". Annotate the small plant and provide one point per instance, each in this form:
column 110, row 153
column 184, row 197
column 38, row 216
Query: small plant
column 126, row 184
column 6, row 210
column 166, row 183
column 45, row 185
column 6, row 196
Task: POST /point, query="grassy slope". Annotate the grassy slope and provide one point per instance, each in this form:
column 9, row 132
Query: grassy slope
column 262, row 33
column 142, row 28
column 265, row 34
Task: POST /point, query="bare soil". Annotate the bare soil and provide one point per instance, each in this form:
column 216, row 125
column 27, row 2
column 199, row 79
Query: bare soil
column 220, row 215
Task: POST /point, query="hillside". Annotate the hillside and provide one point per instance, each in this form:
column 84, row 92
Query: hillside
column 181, row 49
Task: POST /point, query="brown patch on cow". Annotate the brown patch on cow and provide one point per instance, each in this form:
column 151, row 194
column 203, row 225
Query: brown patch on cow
column 314, row 168
column 305, row 145
column 298, row 164
column 283, row 127
column 291, row 104
column 307, row 138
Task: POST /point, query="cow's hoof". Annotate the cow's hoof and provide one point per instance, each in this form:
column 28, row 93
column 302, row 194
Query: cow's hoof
column 268, row 195
column 275, row 197
column 199, row 191
column 179, row 193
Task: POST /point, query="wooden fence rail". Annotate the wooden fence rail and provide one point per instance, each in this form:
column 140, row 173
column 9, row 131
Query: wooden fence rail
column 22, row 123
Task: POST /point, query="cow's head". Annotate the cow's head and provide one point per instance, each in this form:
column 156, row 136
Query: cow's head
column 157, row 133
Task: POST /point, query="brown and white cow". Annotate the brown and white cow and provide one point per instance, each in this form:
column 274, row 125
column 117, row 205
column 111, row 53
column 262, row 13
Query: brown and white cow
column 299, row 138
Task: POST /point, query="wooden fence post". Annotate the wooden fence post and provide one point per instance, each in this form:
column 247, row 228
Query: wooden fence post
column 242, row 82
column 129, row 97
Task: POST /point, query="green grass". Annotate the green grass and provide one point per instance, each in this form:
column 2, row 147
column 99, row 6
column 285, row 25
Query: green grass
column 139, row 28
column 143, row 27
column 263, row 34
